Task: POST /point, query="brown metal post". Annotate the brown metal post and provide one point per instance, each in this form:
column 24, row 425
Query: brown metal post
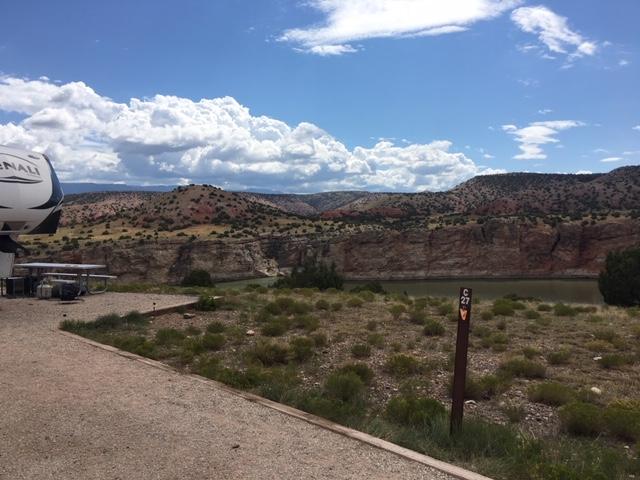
column 462, row 347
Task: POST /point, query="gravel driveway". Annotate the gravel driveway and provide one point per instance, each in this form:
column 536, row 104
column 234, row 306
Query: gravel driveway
column 69, row 410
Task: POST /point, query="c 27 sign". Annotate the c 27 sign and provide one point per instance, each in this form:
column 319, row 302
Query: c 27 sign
column 462, row 347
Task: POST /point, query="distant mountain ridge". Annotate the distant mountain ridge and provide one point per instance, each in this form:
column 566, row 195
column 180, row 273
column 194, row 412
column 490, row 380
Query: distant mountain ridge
column 488, row 195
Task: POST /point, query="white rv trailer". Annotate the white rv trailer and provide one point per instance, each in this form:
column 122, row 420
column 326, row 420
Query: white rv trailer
column 30, row 200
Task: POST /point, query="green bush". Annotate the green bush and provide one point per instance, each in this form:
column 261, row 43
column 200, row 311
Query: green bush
column 135, row 344
column 207, row 304
column 503, row 306
column 169, row 336
column 213, row 341
column 414, row 411
column 322, row 304
column 606, row 334
column 543, row 307
column 562, row 310
column 611, row 361
column 619, row 282
column 312, row 274
column 445, row 309
column 372, row 325
column 486, row 315
column 417, row 317
column 530, row 352
column 401, row 365
column 302, row 348
column 354, row 302
column 397, row 310
column 336, row 307
column 320, row 339
column 622, row 420
column 362, row 370
column 268, row 353
column 242, row 379
column 346, row 387
column 275, row 327
column 433, row 328
column 559, row 357
column 215, row 327
column 361, row 350
column 306, row 322
column 532, row 314
column 551, row 393
column 197, row 278
column 484, row 388
column 375, row 340
column 579, row 418
column 521, row 367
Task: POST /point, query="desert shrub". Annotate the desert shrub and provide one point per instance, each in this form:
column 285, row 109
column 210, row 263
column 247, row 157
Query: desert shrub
column 401, row 365
column 483, row 388
column 503, row 306
column 207, row 367
column 543, row 321
column 531, row 314
column 521, row 367
column 306, row 322
column 191, row 346
column 375, row 340
column 595, row 319
column 480, row 331
column 169, row 336
column 397, row 310
column 361, row 350
column 336, row 307
column 362, row 370
column 530, row 352
column 372, row 325
column 322, row 304
column 486, row 315
column 206, row 304
column 514, row 413
column 502, row 324
column 242, row 379
column 433, row 328
column 559, row 357
column 619, row 282
column 320, row 339
column 373, row 286
column 551, row 393
column 414, row 411
column 312, row 274
column 606, row 334
column 417, row 317
column 213, row 341
column 302, row 348
column 496, row 339
column 622, row 420
column 543, row 307
column 445, row 309
column 215, row 327
column 562, row 310
column 579, row 418
column 420, row 303
column 192, row 330
column 346, row 387
column 612, row 361
column 598, row 346
column 135, row 344
column 275, row 328
column 367, row 296
column 106, row 322
column 269, row 353
column 197, row 278
column 354, row 302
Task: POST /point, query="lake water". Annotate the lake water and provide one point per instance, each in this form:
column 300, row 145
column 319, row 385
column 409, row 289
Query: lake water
column 570, row 291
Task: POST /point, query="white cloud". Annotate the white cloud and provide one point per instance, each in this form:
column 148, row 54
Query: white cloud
column 328, row 50
column 169, row 140
column 584, row 172
column 532, row 137
column 611, row 159
column 553, row 31
column 637, row 127
column 623, row 63
column 545, row 111
column 354, row 20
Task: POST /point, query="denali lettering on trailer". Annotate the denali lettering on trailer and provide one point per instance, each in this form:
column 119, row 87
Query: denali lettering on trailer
column 20, row 171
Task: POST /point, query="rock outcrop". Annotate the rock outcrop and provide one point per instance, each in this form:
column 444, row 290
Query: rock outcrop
column 496, row 248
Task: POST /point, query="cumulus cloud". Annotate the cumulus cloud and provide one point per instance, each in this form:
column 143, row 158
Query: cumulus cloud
column 532, row 137
column 553, row 31
column 354, row 20
column 611, row 159
column 169, row 140
column 637, row 127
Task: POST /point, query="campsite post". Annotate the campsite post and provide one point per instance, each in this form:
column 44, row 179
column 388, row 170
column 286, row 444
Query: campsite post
column 462, row 346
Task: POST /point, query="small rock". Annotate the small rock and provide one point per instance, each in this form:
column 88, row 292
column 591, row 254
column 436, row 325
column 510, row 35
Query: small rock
column 470, row 402
column 188, row 315
column 250, row 333
column 596, row 390
column 595, row 359
column 235, row 445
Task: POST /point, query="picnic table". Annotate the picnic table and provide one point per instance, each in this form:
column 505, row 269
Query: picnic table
column 78, row 273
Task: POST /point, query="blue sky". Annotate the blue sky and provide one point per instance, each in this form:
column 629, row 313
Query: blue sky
column 401, row 95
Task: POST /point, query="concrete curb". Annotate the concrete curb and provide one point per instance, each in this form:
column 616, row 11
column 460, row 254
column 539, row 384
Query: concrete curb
column 457, row 472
